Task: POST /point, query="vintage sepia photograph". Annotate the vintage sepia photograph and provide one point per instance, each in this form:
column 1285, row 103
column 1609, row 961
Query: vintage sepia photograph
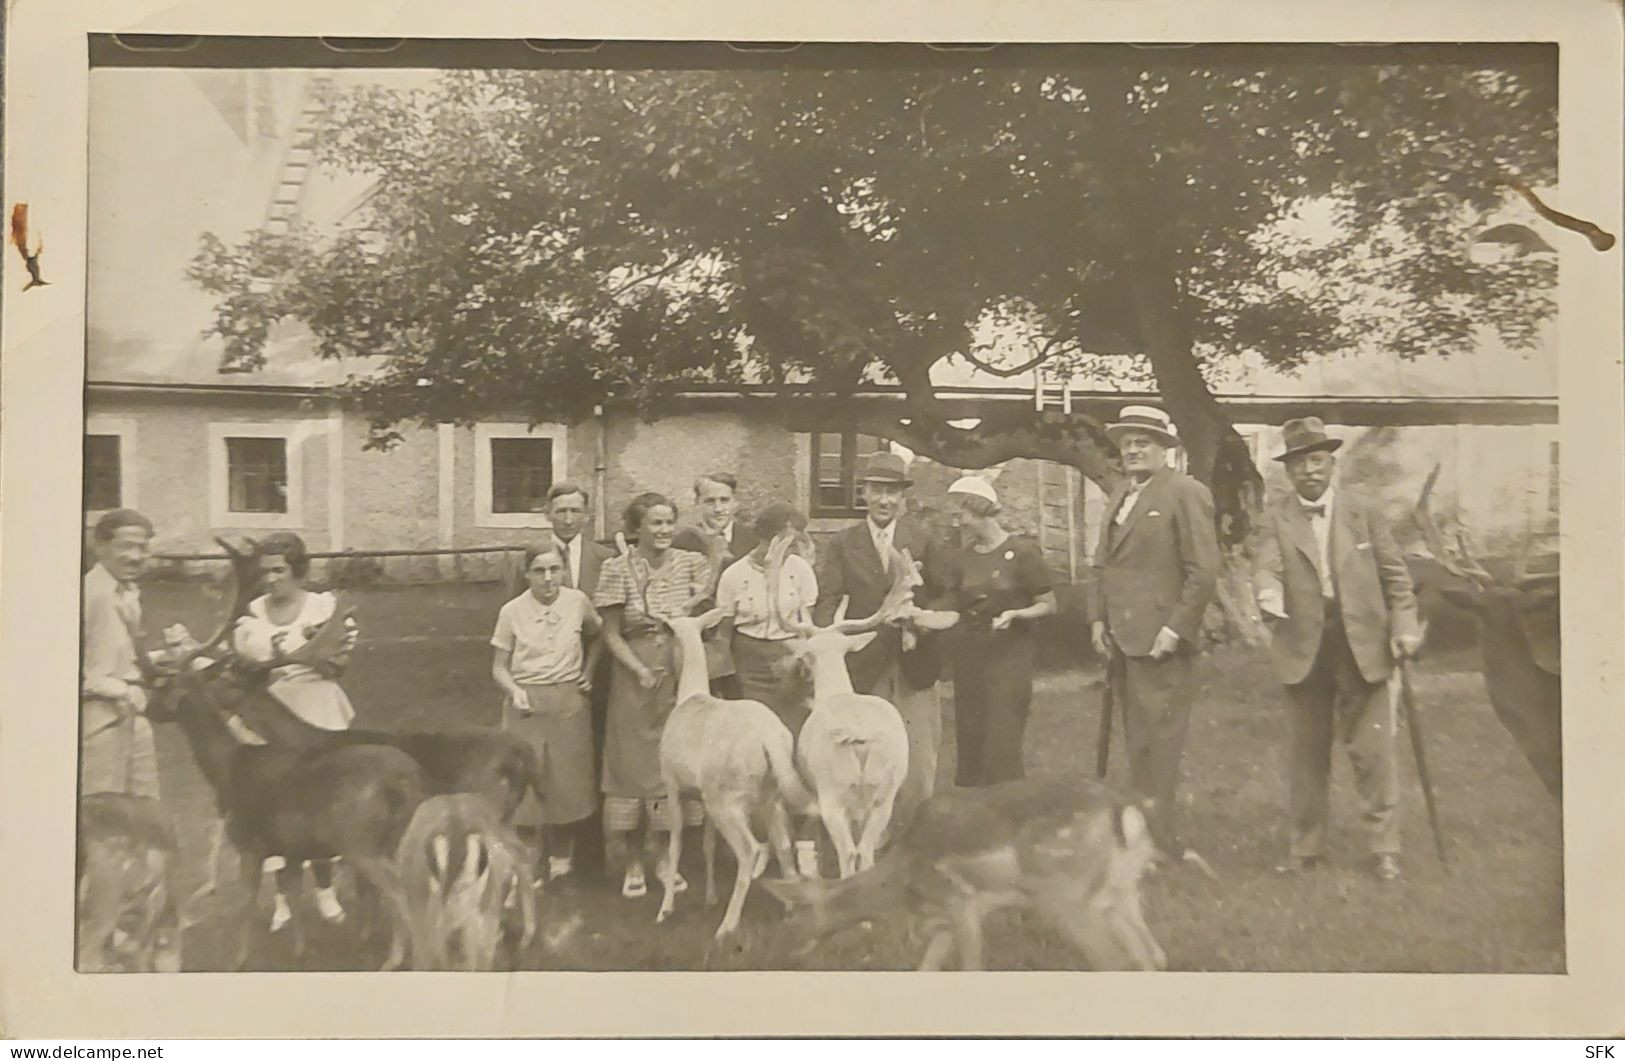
column 867, row 507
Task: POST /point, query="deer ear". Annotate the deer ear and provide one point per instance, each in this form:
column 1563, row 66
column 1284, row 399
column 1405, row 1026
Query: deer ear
column 858, row 642
column 713, row 617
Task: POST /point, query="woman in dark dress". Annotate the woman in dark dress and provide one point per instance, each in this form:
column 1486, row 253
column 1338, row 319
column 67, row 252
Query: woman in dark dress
column 1001, row 586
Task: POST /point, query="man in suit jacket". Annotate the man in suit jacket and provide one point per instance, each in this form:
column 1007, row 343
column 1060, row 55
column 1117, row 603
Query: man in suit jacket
column 1155, row 572
column 856, row 564
column 723, row 540
column 1341, row 607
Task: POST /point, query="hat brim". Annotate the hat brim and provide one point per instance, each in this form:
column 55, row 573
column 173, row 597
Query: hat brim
column 886, row 479
column 1314, row 447
column 1113, row 430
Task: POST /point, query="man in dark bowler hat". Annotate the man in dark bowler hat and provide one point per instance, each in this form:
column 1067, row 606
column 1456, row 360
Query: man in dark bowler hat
column 1341, row 608
column 1155, row 572
column 902, row 664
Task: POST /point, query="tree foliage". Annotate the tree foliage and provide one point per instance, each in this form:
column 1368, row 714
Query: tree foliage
column 548, row 240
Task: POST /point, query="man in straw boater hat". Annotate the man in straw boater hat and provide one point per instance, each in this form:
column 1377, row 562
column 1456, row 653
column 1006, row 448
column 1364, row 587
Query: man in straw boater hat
column 1341, row 608
column 1155, row 572
column 903, row 670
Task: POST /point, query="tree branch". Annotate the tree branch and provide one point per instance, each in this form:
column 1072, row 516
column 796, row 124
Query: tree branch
column 1048, row 351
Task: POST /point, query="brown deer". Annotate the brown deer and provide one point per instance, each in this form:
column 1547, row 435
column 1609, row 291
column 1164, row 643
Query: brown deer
column 1068, row 849
column 1518, row 617
column 465, row 871
column 127, row 920
column 350, row 802
column 497, row 765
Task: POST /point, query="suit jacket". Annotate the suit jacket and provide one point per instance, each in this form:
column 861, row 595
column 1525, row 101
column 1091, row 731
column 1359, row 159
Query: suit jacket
column 849, row 566
column 1374, row 590
column 1160, row 568
column 699, row 540
column 593, row 555
column 719, row 660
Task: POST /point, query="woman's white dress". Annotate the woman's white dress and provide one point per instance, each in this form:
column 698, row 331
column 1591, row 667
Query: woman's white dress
column 307, row 692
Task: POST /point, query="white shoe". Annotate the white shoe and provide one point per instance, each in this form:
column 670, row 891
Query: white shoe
column 281, row 914
column 679, row 886
column 327, row 904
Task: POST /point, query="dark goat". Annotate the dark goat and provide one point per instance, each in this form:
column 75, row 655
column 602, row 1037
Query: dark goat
column 1519, row 638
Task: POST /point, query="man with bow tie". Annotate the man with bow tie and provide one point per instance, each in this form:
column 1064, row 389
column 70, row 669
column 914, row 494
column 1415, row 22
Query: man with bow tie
column 1341, row 608
column 116, row 751
column 1155, row 572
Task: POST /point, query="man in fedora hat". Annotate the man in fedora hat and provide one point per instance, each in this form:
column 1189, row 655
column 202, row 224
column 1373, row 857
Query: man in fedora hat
column 1155, row 572
column 1341, row 608
column 857, row 563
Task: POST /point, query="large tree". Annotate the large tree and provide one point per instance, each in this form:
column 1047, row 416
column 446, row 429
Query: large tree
column 554, row 239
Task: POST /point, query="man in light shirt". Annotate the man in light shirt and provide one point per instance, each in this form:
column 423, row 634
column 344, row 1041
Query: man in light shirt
column 1338, row 597
column 116, row 750
column 722, row 540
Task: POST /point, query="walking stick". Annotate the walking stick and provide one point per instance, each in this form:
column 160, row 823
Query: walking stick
column 1103, row 745
column 1413, row 723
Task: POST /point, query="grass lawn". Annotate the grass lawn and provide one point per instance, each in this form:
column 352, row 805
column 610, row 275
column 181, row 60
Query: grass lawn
column 1497, row 908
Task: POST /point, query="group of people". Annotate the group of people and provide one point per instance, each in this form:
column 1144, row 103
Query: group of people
column 587, row 672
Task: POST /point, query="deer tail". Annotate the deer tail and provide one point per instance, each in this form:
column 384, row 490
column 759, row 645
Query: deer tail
column 781, row 760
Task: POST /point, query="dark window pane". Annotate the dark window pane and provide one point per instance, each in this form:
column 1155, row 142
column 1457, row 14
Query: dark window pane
column 521, row 474
column 104, row 473
column 257, row 474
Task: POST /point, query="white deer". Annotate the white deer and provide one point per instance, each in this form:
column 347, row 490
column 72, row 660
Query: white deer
column 854, row 747
column 739, row 757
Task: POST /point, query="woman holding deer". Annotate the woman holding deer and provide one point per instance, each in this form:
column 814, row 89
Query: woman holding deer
column 278, row 622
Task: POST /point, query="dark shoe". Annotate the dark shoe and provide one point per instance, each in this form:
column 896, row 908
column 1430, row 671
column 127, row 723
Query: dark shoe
column 1385, row 867
column 1297, row 865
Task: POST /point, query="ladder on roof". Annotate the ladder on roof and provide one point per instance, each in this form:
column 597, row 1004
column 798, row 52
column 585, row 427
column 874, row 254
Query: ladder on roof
column 288, row 195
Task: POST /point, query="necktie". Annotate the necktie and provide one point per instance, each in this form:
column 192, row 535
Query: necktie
column 569, row 576
column 1315, row 510
column 883, row 546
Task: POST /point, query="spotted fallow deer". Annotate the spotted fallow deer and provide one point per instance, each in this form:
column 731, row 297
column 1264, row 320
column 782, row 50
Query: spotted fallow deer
column 1068, row 849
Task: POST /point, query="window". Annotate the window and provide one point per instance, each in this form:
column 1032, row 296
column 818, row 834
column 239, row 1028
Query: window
column 521, row 472
column 256, row 472
column 837, row 461
column 514, row 464
column 104, row 473
column 257, row 475
column 110, row 463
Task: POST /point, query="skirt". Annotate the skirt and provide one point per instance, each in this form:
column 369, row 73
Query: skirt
column 559, row 727
column 763, row 676
column 636, row 718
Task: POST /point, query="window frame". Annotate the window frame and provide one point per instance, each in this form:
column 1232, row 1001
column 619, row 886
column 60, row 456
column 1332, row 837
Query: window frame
column 850, row 460
column 124, row 430
column 293, row 433
column 484, row 435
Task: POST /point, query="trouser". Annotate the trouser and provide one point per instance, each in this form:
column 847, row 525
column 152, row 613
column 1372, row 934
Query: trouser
column 1154, row 696
column 116, row 751
column 921, row 710
column 993, row 689
column 1337, row 698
